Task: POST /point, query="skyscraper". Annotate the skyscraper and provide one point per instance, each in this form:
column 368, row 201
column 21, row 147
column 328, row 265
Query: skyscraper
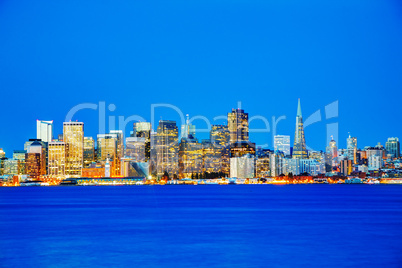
column 167, row 148
column 44, row 130
column 392, row 147
column 220, row 140
column 73, row 136
column 143, row 130
column 238, row 125
column 351, row 143
column 56, row 158
column 282, row 144
column 89, row 151
column 135, row 148
column 299, row 146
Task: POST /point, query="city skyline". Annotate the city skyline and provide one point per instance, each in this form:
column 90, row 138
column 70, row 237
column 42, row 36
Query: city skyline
column 263, row 54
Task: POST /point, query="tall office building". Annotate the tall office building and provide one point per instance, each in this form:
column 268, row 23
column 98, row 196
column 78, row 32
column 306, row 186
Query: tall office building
column 89, row 151
column 56, row 159
column 212, row 158
column 238, row 125
column 282, row 144
column 351, row 143
column 190, row 158
column 143, row 130
column 44, row 130
column 107, row 145
column 73, row 136
column 392, row 147
column 167, row 148
column 120, row 142
column 242, row 167
column 220, row 140
column 35, row 160
column 299, row 146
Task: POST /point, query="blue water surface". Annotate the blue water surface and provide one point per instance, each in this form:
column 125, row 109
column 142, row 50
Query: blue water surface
column 202, row 226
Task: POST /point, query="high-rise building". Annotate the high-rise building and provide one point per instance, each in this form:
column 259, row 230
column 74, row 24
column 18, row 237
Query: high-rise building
column 282, row 144
column 143, row 130
column 167, row 148
column 135, row 148
column 35, row 160
column 262, row 166
column 89, row 151
column 392, row 147
column 212, row 158
column 346, row 167
column 44, row 130
column 190, row 158
column 299, row 146
column 73, row 137
column 107, row 145
column 351, row 143
column 56, row 159
column 238, row 125
column 220, row 140
column 19, row 155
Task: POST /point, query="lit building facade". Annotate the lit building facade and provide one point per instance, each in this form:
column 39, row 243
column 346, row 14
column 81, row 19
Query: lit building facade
column 220, row 140
column 351, row 143
column 89, row 151
column 73, row 136
column 238, row 125
column 143, row 130
column 190, row 158
column 57, row 159
column 167, row 148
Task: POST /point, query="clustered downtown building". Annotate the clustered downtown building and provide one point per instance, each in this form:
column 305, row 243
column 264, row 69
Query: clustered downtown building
column 168, row 154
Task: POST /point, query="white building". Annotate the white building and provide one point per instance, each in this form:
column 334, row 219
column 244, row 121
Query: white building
column 242, row 167
column 44, row 130
column 375, row 162
column 282, row 144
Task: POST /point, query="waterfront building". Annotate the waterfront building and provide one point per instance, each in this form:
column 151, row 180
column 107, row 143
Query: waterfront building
column 44, row 130
column 120, row 143
column 242, row 167
column 332, row 153
column 167, row 148
column 136, row 148
column 346, row 167
column 220, row 140
column 19, row 155
column 212, row 158
column 10, row 167
column 262, row 166
column 190, row 158
column 276, row 164
column 57, row 159
column 89, row 151
column 375, row 162
column 35, row 160
column 282, row 144
column 143, row 130
column 312, row 167
column 351, row 147
column 291, row 166
column 392, row 146
column 299, row 146
column 73, row 136
column 238, row 125
column 132, row 168
column 108, row 149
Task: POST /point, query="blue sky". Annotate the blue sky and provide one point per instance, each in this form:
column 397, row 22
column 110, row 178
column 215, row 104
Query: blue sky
column 203, row 57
